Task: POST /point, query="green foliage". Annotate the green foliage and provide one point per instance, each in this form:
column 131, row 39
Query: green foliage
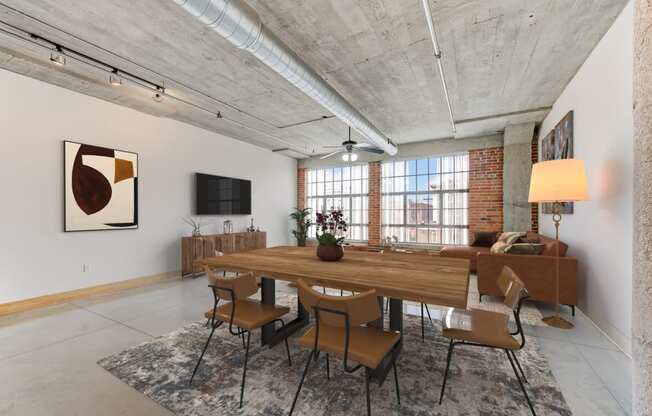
column 303, row 223
column 328, row 239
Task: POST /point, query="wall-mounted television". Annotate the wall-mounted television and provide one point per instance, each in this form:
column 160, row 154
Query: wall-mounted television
column 219, row 195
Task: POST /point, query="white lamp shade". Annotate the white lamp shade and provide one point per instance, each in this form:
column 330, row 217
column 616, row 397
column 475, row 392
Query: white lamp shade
column 562, row 180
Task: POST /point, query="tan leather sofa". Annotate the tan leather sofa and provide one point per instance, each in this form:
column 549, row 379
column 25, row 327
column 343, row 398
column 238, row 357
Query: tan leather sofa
column 537, row 272
column 464, row 252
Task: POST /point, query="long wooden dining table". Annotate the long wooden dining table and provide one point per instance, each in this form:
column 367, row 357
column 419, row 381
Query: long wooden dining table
column 428, row 279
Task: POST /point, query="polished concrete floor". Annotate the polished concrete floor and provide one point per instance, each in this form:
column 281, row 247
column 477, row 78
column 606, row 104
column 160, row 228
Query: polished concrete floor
column 48, row 357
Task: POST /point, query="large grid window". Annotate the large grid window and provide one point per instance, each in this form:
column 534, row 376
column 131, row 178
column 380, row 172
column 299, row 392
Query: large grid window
column 346, row 188
column 425, row 201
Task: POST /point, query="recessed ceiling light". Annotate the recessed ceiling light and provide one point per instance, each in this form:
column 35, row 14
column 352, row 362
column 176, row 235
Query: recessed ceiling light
column 157, row 97
column 58, row 58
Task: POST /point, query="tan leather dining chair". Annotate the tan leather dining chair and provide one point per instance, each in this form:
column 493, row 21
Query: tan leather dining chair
column 479, row 328
column 241, row 313
column 340, row 329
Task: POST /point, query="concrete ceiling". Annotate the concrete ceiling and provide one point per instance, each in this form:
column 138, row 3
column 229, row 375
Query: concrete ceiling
column 505, row 61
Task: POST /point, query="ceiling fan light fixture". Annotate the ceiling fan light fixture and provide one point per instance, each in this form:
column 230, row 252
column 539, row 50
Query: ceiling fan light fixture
column 349, row 157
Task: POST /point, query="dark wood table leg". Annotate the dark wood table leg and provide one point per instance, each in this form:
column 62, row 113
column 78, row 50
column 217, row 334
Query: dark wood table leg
column 270, row 335
column 395, row 324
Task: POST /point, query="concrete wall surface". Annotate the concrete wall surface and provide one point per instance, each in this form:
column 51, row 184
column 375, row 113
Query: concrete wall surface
column 38, row 258
column 599, row 233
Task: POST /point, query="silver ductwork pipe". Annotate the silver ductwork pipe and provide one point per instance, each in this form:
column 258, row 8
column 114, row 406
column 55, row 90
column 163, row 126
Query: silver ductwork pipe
column 238, row 23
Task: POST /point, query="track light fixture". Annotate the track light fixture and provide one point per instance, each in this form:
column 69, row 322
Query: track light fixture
column 114, row 78
column 58, row 58
column 158, row 95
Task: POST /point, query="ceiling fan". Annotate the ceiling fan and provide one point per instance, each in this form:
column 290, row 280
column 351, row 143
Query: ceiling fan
column 348, row 146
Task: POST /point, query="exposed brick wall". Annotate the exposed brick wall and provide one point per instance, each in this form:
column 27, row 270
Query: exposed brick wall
column 485, row 190
column 535, row 207
column 375, row 172
column 301, row 188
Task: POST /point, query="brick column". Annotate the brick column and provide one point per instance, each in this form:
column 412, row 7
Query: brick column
column 535, row 207
column 485, row 190
column 642, row 250
column 301, row 188
column 375, row 178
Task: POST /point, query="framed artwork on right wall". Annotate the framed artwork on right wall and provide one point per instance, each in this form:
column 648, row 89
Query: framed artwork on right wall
column 558, row 144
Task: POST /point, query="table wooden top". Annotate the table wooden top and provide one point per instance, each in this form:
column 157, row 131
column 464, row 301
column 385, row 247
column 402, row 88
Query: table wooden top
column 416, row 277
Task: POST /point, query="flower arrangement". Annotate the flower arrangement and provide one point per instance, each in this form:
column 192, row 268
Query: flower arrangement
column 333, row 228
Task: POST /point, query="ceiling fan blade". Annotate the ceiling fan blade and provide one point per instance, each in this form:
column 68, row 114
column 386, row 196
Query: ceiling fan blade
column 330, row 154
column 332, row 147
column 370, row 149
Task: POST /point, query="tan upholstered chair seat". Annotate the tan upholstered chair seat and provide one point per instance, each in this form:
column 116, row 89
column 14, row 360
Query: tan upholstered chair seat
column 249, row 314
column 367, row 345
column 478, row 326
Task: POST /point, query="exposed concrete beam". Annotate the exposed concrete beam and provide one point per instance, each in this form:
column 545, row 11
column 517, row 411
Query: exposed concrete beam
column 414, row 150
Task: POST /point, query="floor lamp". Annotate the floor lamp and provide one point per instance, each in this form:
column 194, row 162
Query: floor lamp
column 556, row 182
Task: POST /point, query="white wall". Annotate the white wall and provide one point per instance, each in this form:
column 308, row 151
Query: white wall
column 600, row 232
column 38, row 258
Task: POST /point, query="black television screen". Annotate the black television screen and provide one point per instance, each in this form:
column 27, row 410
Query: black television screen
column 218, row 195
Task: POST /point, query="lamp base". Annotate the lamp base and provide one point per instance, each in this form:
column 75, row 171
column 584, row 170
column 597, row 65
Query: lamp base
column 557, row 321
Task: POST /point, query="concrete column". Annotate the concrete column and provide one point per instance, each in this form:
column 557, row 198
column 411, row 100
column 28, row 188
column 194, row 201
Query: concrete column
column 517, row 167
column 642, row 267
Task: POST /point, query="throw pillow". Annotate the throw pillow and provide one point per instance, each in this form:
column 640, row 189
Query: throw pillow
column 512, row 236
column 499, row 247
column 525, row 248
column 484, row 239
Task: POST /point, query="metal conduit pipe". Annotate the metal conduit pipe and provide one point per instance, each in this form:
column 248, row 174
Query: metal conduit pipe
column 238, row 23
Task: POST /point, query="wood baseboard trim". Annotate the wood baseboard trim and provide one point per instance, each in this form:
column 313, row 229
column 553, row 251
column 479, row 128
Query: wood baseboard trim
column 86, row 292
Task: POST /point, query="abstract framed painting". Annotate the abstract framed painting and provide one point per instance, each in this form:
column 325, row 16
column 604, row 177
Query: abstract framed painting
column 558, row 144
column 100, row 188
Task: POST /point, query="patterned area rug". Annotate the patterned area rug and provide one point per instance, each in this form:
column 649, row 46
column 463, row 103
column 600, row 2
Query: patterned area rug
column 481, row 381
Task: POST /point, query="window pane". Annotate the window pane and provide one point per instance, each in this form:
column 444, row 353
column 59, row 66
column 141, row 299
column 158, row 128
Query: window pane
column 411, row 167
column 411, row 184
column 328, row 175
column 399, row 168
column 422, row 166
column 425, row 201
column 388, row 169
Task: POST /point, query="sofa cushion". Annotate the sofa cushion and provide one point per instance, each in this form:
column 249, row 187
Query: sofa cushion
column 550, row 243
column 484, row 238
column 511, row 237
column 525, row 248
column 499, row 247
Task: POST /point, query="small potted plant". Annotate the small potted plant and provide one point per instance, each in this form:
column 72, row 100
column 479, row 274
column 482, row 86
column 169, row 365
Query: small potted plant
column 331, row 229
column 303, row 223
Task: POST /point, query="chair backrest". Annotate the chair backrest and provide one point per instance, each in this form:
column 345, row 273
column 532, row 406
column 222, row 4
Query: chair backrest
column 512, row 287
column 243, row 285
column 361, row 308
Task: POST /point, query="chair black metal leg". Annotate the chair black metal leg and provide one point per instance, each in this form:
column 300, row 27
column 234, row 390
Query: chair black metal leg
column 398, row 393
column 367, row 376
column 202, row 355
column 518, row 364
column 287, row 348
column 448, row 363
column 386, row 305
column 244, row 371
column 520, row 383
column 328, row 366
column 423, row 328
column 303, row 377
column 242, row 336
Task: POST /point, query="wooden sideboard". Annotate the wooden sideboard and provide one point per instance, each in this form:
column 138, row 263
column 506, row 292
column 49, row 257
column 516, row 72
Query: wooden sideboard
column 200, row 247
